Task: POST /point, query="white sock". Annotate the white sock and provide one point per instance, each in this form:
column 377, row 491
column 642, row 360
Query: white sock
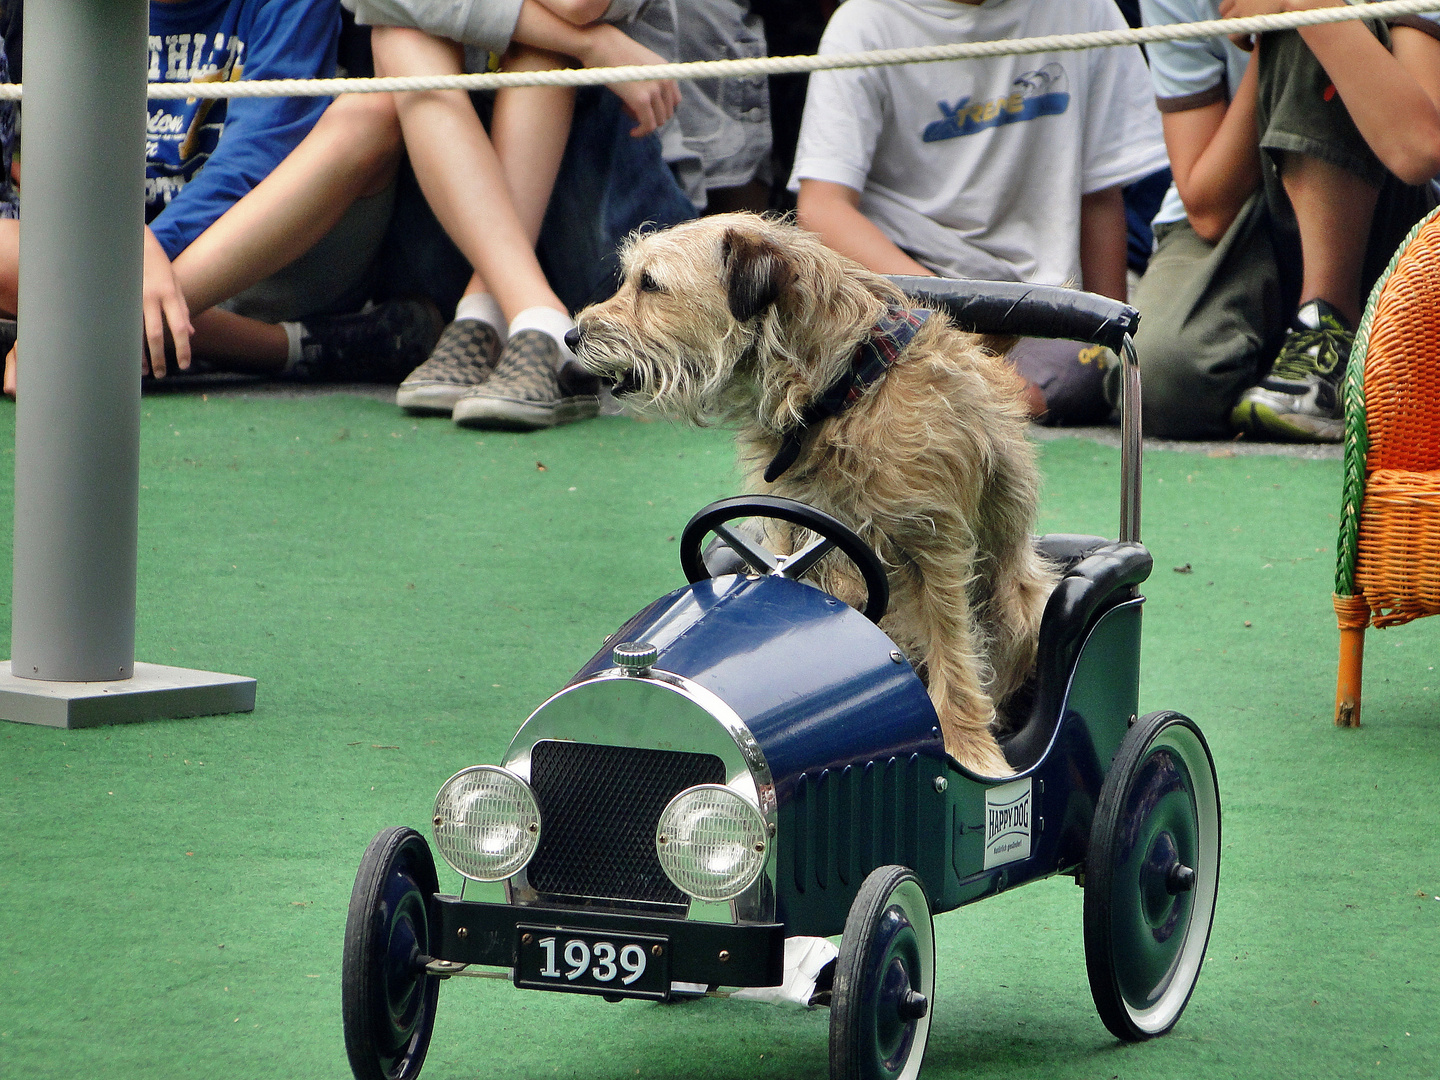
column 485, row 308
column 294, row 335
column 548, row 321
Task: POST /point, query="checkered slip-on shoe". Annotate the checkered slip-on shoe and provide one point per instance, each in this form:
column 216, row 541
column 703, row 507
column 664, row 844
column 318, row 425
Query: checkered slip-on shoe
column 464, row 357
column 526, row 392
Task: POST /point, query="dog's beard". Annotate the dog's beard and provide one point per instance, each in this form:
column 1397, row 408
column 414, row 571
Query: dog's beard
column 669, row 378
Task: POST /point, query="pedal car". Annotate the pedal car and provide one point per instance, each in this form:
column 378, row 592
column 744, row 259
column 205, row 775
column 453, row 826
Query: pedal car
column 748, row 760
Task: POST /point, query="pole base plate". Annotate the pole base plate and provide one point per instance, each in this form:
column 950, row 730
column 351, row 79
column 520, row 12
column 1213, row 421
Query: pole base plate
column 155, row 692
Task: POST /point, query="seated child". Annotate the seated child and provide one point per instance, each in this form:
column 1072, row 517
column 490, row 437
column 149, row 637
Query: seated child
column 503, row 362
column 1299, row 167
column 1007, row 169
column 264, row 214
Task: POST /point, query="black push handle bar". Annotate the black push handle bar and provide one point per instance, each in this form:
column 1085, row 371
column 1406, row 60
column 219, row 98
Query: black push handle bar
column 1008, row 307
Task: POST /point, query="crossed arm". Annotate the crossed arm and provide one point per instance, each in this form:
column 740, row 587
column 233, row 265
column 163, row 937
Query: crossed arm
column 567, row 27
column 1393, row 95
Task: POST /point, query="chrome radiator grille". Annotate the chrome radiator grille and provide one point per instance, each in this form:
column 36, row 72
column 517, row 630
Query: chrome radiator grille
column 598, row 810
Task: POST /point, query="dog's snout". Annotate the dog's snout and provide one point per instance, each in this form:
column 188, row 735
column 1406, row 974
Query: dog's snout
column 572, row 338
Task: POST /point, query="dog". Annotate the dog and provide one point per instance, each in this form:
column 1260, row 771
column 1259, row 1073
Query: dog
column 751, row 321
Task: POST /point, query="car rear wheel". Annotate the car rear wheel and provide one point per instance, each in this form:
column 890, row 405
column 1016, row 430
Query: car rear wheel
column 884, row 981
column 1151, row 876
column 387, row 999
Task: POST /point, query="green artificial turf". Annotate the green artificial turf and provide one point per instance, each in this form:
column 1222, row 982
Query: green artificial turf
column 173, row 894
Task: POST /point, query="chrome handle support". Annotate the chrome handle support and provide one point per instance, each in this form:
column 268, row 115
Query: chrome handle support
column 1130, row 442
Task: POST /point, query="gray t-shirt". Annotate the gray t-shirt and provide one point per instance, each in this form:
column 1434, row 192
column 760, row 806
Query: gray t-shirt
column 976, row 167
column 486, row 24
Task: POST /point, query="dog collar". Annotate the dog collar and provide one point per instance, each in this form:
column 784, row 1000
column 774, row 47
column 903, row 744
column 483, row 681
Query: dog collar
column 888, row 337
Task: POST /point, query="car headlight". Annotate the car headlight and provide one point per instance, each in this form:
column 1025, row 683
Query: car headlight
column 711, row 842
column 487, row 823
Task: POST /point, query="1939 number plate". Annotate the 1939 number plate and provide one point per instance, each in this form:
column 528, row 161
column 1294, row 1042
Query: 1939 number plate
column 593, row 962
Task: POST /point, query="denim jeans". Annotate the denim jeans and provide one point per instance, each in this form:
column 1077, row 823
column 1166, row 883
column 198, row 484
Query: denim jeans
column 609, row 185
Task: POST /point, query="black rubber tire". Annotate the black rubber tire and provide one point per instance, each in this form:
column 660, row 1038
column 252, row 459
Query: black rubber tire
column 387, row 1001
column 1146, row 929
column 872, row 570
column 888, row 932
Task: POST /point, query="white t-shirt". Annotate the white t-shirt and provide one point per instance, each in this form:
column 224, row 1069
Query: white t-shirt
column 976, row 167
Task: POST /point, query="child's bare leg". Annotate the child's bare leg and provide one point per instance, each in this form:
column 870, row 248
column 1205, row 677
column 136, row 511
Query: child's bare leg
column 352, row 152
column 234, row 343
column 529, row 130
column 1334, row 209
column 9, row 265
column 460, row 173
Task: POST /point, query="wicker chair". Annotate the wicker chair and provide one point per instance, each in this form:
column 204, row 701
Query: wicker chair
column 1388, row 559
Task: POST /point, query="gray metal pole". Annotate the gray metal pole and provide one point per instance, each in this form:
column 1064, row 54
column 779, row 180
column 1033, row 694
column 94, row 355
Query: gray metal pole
column 77, row 443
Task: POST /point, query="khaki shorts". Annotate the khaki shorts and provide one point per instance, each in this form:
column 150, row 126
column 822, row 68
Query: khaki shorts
column 333, row 277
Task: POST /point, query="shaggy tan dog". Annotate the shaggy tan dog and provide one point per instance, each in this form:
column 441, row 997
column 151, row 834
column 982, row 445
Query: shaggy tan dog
column 741, row 319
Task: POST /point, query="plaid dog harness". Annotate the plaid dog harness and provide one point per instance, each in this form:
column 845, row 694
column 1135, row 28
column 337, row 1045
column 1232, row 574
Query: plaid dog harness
column 896, row 328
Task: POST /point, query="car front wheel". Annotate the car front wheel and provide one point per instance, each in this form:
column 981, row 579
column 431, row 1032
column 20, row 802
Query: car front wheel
column 884, row 981
column 387, row 999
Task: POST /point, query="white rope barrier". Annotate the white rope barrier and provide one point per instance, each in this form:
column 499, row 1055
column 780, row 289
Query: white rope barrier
column 780, row 65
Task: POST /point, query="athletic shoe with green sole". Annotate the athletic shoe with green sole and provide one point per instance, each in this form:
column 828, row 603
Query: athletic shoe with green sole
column 526, row 392
column 1299, row 401
column 463, row 358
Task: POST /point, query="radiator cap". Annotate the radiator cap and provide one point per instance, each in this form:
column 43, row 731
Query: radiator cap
column 634, row 657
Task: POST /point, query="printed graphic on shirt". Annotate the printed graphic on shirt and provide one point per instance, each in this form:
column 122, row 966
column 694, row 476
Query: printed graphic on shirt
column 1033, row 94
column 181, row 135
column 9, row 197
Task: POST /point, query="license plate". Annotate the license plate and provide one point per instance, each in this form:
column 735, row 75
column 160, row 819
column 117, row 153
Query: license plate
column 593, row 962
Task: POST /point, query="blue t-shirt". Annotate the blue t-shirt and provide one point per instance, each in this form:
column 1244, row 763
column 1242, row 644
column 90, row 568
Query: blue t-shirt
column 203, row 156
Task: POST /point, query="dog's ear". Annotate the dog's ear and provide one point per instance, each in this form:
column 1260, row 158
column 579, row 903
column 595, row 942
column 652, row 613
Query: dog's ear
column 756, row 273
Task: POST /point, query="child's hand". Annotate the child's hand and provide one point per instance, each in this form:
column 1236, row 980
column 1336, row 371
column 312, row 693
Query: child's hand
column 652, row 102
column 11, row 361
column 165, row 308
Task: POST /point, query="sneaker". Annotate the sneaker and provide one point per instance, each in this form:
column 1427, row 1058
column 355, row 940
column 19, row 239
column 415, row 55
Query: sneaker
column 383, row 343
column 526, row 392
column 1299, row 401
column 463, row 358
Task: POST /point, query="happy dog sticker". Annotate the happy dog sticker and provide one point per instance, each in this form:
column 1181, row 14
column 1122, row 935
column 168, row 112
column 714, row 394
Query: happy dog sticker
column 1008, row 817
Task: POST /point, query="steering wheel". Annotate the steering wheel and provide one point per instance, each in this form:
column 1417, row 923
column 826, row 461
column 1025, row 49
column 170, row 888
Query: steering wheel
column 832, row 534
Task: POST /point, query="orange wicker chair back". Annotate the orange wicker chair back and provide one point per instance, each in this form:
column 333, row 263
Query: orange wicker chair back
column 1388, row 564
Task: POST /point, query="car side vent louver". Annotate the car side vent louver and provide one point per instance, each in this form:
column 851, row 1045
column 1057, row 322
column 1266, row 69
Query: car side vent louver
column 598, row 807
column 846, row 822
